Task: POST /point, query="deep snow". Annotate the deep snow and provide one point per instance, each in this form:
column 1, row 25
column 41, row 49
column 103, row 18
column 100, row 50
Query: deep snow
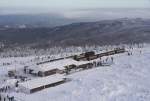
column 128, row 79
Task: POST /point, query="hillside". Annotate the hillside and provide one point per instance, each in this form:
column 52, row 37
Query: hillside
column 124, row 80
column 99, row 33
column 33, row 20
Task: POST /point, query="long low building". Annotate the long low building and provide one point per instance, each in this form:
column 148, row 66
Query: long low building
column 38, row 84
column 54, row 67
column 51, row 68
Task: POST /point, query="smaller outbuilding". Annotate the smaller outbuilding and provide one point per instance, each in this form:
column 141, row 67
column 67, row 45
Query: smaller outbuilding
column 84, row 56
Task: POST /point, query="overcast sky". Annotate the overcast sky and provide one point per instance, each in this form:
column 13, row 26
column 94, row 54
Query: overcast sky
column 74, row 4
column 74, row 8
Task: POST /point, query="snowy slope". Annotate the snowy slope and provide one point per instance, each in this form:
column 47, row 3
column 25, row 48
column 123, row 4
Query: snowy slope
column 128, row 79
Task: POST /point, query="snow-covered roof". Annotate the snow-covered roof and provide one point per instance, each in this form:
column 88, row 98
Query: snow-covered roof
column 58, row 64
column 35, row 83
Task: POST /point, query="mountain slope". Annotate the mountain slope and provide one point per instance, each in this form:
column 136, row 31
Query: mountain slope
column 100, row 33
column 33, row 20
column 124, row 80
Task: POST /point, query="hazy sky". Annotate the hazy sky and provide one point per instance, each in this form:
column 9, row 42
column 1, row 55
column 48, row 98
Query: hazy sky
column 73, row 8
column 74, row 4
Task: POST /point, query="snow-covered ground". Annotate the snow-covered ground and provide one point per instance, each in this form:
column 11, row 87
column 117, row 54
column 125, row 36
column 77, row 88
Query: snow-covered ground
column 127, row 79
